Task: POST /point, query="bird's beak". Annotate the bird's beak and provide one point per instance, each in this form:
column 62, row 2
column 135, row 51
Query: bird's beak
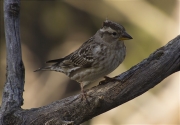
column 125, row 36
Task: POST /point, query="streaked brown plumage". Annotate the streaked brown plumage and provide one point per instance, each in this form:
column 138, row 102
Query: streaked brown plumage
column 97, row 57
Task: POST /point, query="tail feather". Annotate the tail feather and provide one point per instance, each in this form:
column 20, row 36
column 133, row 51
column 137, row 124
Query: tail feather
column 43, row 68
column 55, row 60
column 54, row 67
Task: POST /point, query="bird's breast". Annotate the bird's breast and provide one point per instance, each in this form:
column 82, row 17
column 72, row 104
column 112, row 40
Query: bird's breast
column 105, row 62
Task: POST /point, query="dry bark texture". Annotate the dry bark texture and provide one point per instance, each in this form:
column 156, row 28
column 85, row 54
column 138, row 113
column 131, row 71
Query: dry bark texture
column 72, row 110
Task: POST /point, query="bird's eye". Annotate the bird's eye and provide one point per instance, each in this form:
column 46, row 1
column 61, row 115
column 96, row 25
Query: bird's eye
column 114, row 33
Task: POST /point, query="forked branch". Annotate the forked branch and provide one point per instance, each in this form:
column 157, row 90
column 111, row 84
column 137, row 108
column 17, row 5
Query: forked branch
column 112, row 93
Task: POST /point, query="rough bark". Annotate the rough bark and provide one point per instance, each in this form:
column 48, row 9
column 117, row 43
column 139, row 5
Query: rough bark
column 112, row 93
column 72, row 110
column 14, row 86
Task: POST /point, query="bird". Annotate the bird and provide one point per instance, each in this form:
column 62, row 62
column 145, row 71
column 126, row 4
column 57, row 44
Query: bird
column 97, row 57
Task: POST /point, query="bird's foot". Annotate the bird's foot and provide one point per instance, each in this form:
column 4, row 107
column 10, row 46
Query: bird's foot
column 84, row 96
column 108, row 79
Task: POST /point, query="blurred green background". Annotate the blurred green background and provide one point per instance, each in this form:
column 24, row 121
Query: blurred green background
column 53, row 29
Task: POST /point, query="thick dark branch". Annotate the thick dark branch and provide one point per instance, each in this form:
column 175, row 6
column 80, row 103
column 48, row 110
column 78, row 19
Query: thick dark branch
column 14, row 86
column 139, row 79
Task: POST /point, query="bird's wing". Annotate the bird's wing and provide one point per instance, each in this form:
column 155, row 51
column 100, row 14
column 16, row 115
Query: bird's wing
column 83, row 57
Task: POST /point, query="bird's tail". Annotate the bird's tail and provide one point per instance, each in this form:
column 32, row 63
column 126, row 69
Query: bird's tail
column 53, row 67
column 45, row 68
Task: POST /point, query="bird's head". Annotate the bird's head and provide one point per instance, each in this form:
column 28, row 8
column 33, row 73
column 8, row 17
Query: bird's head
column 112, row 31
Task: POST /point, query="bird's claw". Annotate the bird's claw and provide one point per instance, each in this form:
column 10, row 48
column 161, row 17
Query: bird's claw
column 108, row 79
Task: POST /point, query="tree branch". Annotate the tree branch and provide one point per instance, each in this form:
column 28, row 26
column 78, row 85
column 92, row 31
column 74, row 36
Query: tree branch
column 109, row 94
column 132, row 83
column 14, row 86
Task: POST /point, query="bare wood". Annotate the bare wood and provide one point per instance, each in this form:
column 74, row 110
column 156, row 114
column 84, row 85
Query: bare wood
column 112, row 93
column 14, row 86
column 132, row 83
